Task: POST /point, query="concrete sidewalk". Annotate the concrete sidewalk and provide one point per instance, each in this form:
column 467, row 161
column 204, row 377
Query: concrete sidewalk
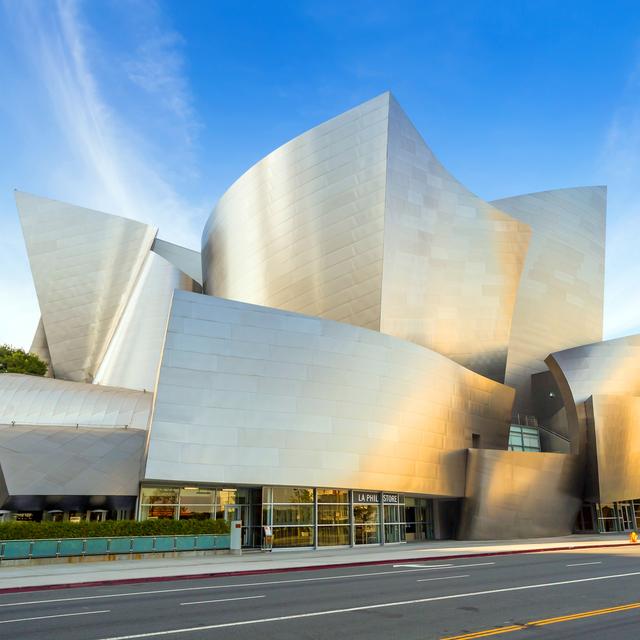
column 153, row 569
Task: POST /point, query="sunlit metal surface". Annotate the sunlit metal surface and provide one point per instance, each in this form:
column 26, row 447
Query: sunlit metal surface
column 255, row 395
column 64, row 461
column 452, row 262
column 357, row 221
column 302, row 229
column 186, row 260
column 84, row 265
column 609, row 367
column 513, row 494
column 44, row 401
column 614, row 425
column 133, row 355
column 40, row 347
column 561, row 293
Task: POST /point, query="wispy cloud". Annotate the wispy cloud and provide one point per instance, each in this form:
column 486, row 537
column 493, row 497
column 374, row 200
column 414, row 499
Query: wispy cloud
column 621, row 159
column 123, row 121
column 121, row 173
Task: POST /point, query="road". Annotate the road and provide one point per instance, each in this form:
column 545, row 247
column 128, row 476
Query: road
column 546, row 596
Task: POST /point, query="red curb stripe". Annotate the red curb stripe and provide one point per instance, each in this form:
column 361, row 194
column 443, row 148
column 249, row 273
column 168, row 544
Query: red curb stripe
column 335, row 565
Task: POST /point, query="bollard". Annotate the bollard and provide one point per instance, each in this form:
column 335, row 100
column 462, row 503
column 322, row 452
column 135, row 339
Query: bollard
column 633, row 537
column 235, row 543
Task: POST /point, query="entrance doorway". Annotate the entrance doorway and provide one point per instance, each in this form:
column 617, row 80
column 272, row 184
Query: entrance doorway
column 625, row 512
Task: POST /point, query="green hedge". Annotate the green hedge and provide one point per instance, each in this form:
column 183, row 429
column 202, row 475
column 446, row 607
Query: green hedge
column 109, row 528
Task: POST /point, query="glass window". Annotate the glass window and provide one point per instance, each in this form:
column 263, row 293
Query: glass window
column 333, row 496
column 333, row 514
column 158, row 512
column 292, row 514
column 293, row 537
column 195, row 495
column 195, row 512
column 291, row 494
column 159, row 495
column 330, row 536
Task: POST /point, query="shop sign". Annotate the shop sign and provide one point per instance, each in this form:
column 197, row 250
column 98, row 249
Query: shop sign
column 390, row 498
column 366, row 497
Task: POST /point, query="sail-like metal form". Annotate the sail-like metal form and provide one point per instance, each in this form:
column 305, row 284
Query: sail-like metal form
column 84, row 264
column 357, row 221
column 561, row 293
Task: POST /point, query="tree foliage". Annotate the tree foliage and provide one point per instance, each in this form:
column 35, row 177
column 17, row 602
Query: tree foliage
column 14, row 360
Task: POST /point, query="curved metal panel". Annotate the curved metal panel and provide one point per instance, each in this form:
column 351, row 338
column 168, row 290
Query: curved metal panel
column 33, row 400
column 66, row 461
column 601, row 368
column 614, row 425
column 186, row 260
column 63, row 461
column 514, row 494
column 133, row 355
column 452, row 262
column 302, row 229
column 84, row 265
column 40, row 347
column 255, row 395
column 561, row 293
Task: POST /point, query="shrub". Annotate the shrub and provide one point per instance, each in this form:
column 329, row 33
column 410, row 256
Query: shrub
column 110, row 528
column 13, row 360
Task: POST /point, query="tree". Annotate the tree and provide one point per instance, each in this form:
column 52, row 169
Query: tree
column 13, row 360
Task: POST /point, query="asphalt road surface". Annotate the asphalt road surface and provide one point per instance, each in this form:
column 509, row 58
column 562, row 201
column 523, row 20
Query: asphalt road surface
column 559, row 595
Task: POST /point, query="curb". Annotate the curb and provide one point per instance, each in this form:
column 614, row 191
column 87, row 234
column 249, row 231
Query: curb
column 334, row 565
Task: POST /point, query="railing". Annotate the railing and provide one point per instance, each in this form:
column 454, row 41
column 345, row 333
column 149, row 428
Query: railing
column 78, row 547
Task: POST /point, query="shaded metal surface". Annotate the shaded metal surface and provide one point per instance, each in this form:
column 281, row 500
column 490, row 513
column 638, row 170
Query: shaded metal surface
column 254, row 395
column 605, row 368
column 34, row 400
column 186, row 260
column 302, row 229
column 561, row 293
column 133, row 355
column 452, row 262
column 59, row 461
column 84, row 265
column 356, row 221
column 614, row 425
column 514, row 494
column 40, row 347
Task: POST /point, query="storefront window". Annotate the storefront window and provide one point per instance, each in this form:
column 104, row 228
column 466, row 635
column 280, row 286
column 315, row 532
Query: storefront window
column 158, row 512
column 366, row 518
column 159, row 495
column 334, row 512
column 290, row 512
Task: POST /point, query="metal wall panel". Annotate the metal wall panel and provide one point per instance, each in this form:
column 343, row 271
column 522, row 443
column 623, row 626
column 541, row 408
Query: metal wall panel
column 84, row 265
column 614, row 424
column 133, row 355
column 186, row 260
column 452, row 262
column 34, row 400
column 302, row 229
column 611, row 367
column 254, row 395
column 40, row 347
column 64, row 461
column 514, row 494
column 561, row 293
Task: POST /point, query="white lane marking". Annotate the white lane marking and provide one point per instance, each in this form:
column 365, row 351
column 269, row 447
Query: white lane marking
column 583, row 564
column 233, row 586
column 367, row 607
column 442, row 578
column 58, row 615
column 422, row 566
column 186, row 604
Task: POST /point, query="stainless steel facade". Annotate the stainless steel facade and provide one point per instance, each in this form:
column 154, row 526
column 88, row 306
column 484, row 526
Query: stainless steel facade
column 357, row 221
column 561, row 292
column 254, row 395
column 359, row 324
column 512, row 494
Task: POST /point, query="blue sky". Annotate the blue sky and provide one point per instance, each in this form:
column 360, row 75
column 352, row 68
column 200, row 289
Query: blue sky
column 152, row 109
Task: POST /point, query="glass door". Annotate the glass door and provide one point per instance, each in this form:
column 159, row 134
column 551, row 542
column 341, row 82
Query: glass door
column 625, row 512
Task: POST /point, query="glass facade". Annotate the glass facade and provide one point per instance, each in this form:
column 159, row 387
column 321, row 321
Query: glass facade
column 609, row 518
column 298, row 516
column 524, row 438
